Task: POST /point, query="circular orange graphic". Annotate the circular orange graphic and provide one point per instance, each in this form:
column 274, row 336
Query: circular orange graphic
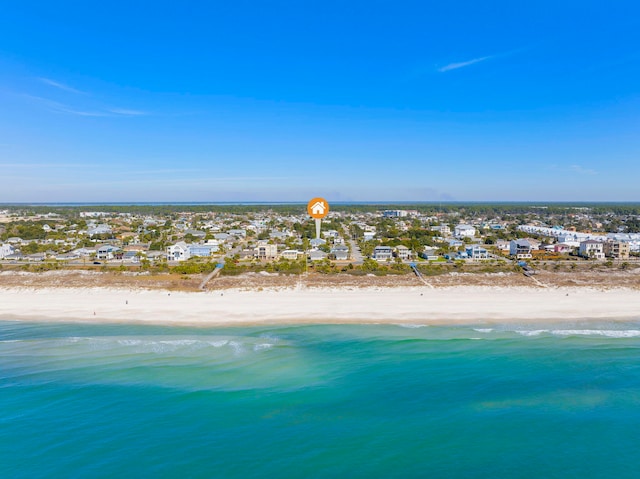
column 318, row 208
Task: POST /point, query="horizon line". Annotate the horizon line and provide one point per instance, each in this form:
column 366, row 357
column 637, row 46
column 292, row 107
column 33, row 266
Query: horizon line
column 303, row 202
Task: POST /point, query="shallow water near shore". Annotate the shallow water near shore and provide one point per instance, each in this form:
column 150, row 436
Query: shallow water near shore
column 485, row 400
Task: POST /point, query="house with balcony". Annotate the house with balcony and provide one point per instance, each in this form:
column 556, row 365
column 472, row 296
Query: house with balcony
column 107, row 252
column 617, row 249
column 340, row 252
column 464, row 231
column 6, row 250
column 403, row 252
column 265, row 250
column 562, row 248
column 382, row 253
column 592, row 249
column 291, row 254
column 520, row 249
column 444, row 230
column 178, row 252
column 477, row 252
column 202, row 250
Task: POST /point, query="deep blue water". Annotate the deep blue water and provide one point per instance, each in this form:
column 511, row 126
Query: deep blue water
column 320, row 401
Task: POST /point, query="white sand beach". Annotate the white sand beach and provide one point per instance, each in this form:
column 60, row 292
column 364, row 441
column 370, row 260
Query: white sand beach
column 420, row 305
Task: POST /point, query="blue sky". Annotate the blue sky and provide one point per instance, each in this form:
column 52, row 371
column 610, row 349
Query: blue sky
column 351, row 100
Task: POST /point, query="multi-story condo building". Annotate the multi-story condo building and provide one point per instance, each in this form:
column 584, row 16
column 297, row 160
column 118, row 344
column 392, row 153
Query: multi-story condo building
column 265, row 250
column 617, row 249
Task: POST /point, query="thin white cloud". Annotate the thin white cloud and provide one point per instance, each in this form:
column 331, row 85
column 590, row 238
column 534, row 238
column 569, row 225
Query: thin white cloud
column 582, row 170
column 575, row 168
column 58, row 107
column 182, row 184
column 127, row 112
column 61, row 86
column 48, row 165
column 455, row 66
column 166, row 170
column 62, row 108
column 71, row 111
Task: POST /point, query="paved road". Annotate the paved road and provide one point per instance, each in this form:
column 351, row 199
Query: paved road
column 356, row 255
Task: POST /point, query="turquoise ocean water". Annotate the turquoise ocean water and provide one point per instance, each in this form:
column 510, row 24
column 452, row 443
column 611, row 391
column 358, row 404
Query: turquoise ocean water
column 369, row 401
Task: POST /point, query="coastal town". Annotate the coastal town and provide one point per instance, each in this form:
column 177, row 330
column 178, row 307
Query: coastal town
column 353, row 239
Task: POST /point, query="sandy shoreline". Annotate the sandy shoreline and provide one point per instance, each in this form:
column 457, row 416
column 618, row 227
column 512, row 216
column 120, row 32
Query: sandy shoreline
column 420, row 305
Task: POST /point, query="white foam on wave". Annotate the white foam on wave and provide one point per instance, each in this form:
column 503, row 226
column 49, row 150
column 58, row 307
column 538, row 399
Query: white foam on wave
column 238, row 348
column 412, row 326
column 262, row 346
column 130, row 342
column 609, row 333
column 153, row 345
column 535, row 332
column 180, row 342
column 270, row 337
column 483, row 330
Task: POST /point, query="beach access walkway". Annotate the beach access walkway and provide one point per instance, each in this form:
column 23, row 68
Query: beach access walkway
column 414, row 267
column 210, row 276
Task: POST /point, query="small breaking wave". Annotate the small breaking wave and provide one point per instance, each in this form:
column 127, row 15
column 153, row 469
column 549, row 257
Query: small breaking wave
column 609, row 333
column 535, row 332
column 262, row 346
column 626, row 333
column 142, row 345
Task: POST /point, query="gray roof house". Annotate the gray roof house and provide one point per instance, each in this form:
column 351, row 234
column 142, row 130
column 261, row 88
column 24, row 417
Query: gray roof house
column 317, row 255
column 196, row 233
column 341, row 253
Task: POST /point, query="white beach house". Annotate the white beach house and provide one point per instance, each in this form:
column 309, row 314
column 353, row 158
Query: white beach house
column 382, row 253
column 592, row 249
column 178, row 252
column 464, row 231
column 6, row 250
